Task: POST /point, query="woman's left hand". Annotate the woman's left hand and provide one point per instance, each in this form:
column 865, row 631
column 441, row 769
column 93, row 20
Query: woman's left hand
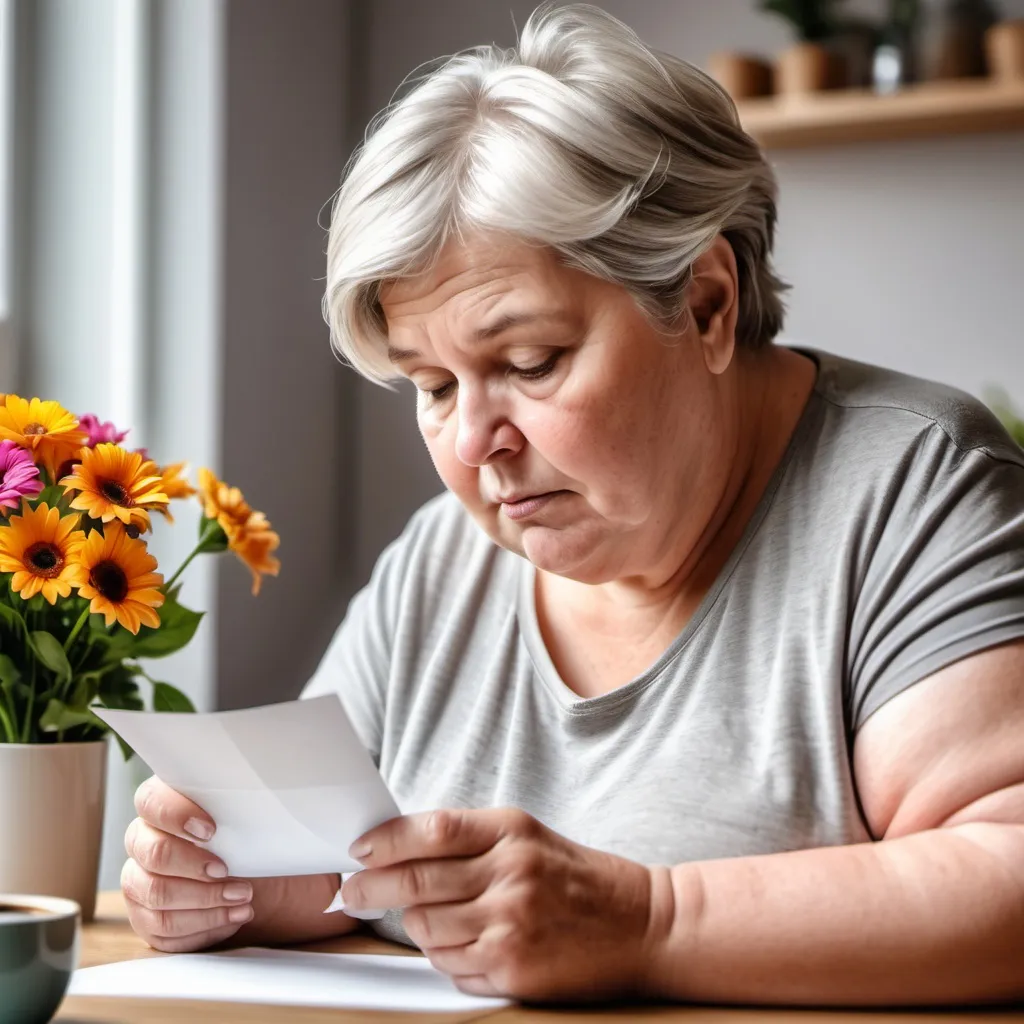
column 508, row 907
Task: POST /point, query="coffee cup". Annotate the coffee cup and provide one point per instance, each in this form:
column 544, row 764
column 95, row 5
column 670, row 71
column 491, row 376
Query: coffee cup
column 39, row 943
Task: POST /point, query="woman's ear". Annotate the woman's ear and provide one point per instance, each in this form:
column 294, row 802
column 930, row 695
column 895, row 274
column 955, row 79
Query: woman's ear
column 713, row 301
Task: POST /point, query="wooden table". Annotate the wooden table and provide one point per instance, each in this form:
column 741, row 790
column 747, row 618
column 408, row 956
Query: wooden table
column 109, row 939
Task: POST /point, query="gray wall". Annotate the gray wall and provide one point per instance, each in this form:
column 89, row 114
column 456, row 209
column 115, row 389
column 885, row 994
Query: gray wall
column 288, row 426
column 905, row 254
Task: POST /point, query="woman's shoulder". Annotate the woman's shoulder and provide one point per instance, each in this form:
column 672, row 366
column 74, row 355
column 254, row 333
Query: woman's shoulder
column 442, row 549
column 894, row 409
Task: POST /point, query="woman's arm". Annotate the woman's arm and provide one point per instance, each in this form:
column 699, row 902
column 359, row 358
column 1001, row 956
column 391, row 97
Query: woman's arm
column 936, row 917
column 291, row 910
column 933, row 913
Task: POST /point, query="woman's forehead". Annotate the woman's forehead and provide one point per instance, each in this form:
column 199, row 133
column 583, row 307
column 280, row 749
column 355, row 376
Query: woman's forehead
column 475, row 277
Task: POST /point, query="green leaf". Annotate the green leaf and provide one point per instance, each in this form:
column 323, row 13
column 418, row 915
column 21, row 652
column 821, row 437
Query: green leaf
column 178, row 625
column 212, row 534
column 50, row 652
column 58, row 717
column 169, row 698
column 10, row 674
column 12, row 618
column 119, row 691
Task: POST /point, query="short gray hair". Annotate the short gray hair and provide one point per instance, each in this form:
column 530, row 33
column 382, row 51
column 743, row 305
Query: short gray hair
column 626, row 162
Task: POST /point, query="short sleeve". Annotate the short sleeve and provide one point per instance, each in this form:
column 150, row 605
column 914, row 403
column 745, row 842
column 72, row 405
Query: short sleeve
column 357, row 662
column 945, row 576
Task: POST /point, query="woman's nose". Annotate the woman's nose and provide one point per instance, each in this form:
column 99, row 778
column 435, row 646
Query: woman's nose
column 485, row 432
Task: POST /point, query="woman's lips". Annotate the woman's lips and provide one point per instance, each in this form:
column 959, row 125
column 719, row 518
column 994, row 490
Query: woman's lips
column 526, row 507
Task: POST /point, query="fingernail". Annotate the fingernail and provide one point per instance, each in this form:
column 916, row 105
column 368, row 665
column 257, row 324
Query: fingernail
column 360, row 850
column 238, row 891
column 239, row 915
column 216, row 870
column 202, row 830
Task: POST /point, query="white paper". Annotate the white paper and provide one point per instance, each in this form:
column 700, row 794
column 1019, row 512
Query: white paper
column 289, row 785
column 285, row 977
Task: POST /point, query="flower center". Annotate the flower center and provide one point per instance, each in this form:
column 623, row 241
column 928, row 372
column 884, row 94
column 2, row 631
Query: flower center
column 110, row 580
column 44, row 559
column 34, row 429
column 116, row 493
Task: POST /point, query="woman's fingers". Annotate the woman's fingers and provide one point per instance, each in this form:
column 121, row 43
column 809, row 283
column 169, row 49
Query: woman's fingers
column 158, row 892
column 166, row 809
column 417, row 882
column 164, row 854
column 191, row 943
column 181, row 924
column 177, row 914
column 445, row 925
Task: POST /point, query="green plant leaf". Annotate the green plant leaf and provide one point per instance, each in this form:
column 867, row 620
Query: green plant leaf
column 217, row 539
column 10, row 674
column 13, row 618
column 58, row 717
column 169, row 698
column 50, row 652
column 178, row 625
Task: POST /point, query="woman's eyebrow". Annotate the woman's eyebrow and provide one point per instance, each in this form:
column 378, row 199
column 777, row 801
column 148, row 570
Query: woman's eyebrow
column 505, row 322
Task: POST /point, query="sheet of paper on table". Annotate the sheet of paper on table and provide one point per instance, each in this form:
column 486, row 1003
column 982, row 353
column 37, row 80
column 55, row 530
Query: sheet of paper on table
column 289, row 785
column 284, row 977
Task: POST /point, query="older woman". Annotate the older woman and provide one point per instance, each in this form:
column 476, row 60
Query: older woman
column 705, row 680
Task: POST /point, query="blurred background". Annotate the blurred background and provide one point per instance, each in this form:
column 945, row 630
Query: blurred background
column 166, row 169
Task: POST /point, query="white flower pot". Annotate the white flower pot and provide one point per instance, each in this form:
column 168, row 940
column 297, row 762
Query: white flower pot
column 51, row 819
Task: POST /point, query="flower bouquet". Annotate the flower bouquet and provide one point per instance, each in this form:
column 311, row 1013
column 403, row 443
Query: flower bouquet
column 81, row 600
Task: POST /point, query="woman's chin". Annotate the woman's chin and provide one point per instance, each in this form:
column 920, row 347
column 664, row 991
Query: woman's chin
column 564, row 552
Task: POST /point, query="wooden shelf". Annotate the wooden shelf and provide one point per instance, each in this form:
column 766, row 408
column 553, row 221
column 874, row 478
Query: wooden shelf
column 853, row 115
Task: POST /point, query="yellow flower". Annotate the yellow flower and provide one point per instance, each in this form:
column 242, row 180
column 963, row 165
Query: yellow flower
column 174, row 485
column 114, row 483
column 39, row 547
column 249, row 534
column 115, row 572
column 44, row 428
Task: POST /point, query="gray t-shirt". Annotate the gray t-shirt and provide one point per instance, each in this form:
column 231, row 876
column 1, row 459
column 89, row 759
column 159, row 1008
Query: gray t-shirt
column 889, row 544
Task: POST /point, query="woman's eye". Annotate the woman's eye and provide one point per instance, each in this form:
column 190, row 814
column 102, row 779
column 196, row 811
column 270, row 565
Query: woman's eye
column 539, row 371
column 442, row 392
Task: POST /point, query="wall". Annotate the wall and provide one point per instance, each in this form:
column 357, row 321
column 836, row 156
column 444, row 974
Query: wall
column 905, row 254
column 286, row 406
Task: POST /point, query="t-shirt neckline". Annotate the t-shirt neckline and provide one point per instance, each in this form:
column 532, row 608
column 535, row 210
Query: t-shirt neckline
column 526, row 604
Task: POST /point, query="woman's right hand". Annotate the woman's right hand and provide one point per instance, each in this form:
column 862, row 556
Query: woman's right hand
column 178, row 895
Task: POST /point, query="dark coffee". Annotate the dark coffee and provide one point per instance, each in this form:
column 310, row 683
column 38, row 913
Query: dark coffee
column 7, row 908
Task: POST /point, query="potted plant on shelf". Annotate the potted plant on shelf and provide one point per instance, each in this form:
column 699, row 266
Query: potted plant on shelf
column 809, row 65
column 81, row 604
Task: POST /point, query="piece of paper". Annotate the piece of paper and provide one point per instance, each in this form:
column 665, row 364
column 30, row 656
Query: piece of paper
column 286, row 977
column 289, row 785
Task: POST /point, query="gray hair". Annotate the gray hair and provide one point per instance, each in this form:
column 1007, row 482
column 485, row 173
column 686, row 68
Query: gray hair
column 626, row 162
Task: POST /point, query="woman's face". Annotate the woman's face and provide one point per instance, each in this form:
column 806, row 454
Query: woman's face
column 572, row 430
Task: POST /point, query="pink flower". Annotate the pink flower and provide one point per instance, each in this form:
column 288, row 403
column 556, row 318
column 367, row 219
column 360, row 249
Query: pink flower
column 19, row 475
column 100, row 433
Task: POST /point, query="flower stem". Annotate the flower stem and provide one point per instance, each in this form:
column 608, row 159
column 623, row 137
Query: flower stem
column 208, row 534
column 78, row 629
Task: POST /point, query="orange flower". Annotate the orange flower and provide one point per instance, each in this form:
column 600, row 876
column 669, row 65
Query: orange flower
column 253, row 543
column 174, row 485
column 114, row 483
column 115, row 572
column 50, row 432
column 249, row 534
column 223, row 503
column 38, row 547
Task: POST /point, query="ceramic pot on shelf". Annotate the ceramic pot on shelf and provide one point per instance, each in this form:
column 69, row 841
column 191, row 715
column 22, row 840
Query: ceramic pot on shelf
column 51, row 808
column 1004, row 50
column 804, row 69
column 740, row 75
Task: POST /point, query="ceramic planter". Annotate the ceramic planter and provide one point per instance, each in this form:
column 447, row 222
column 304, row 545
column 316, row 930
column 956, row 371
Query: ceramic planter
column 51, row 819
